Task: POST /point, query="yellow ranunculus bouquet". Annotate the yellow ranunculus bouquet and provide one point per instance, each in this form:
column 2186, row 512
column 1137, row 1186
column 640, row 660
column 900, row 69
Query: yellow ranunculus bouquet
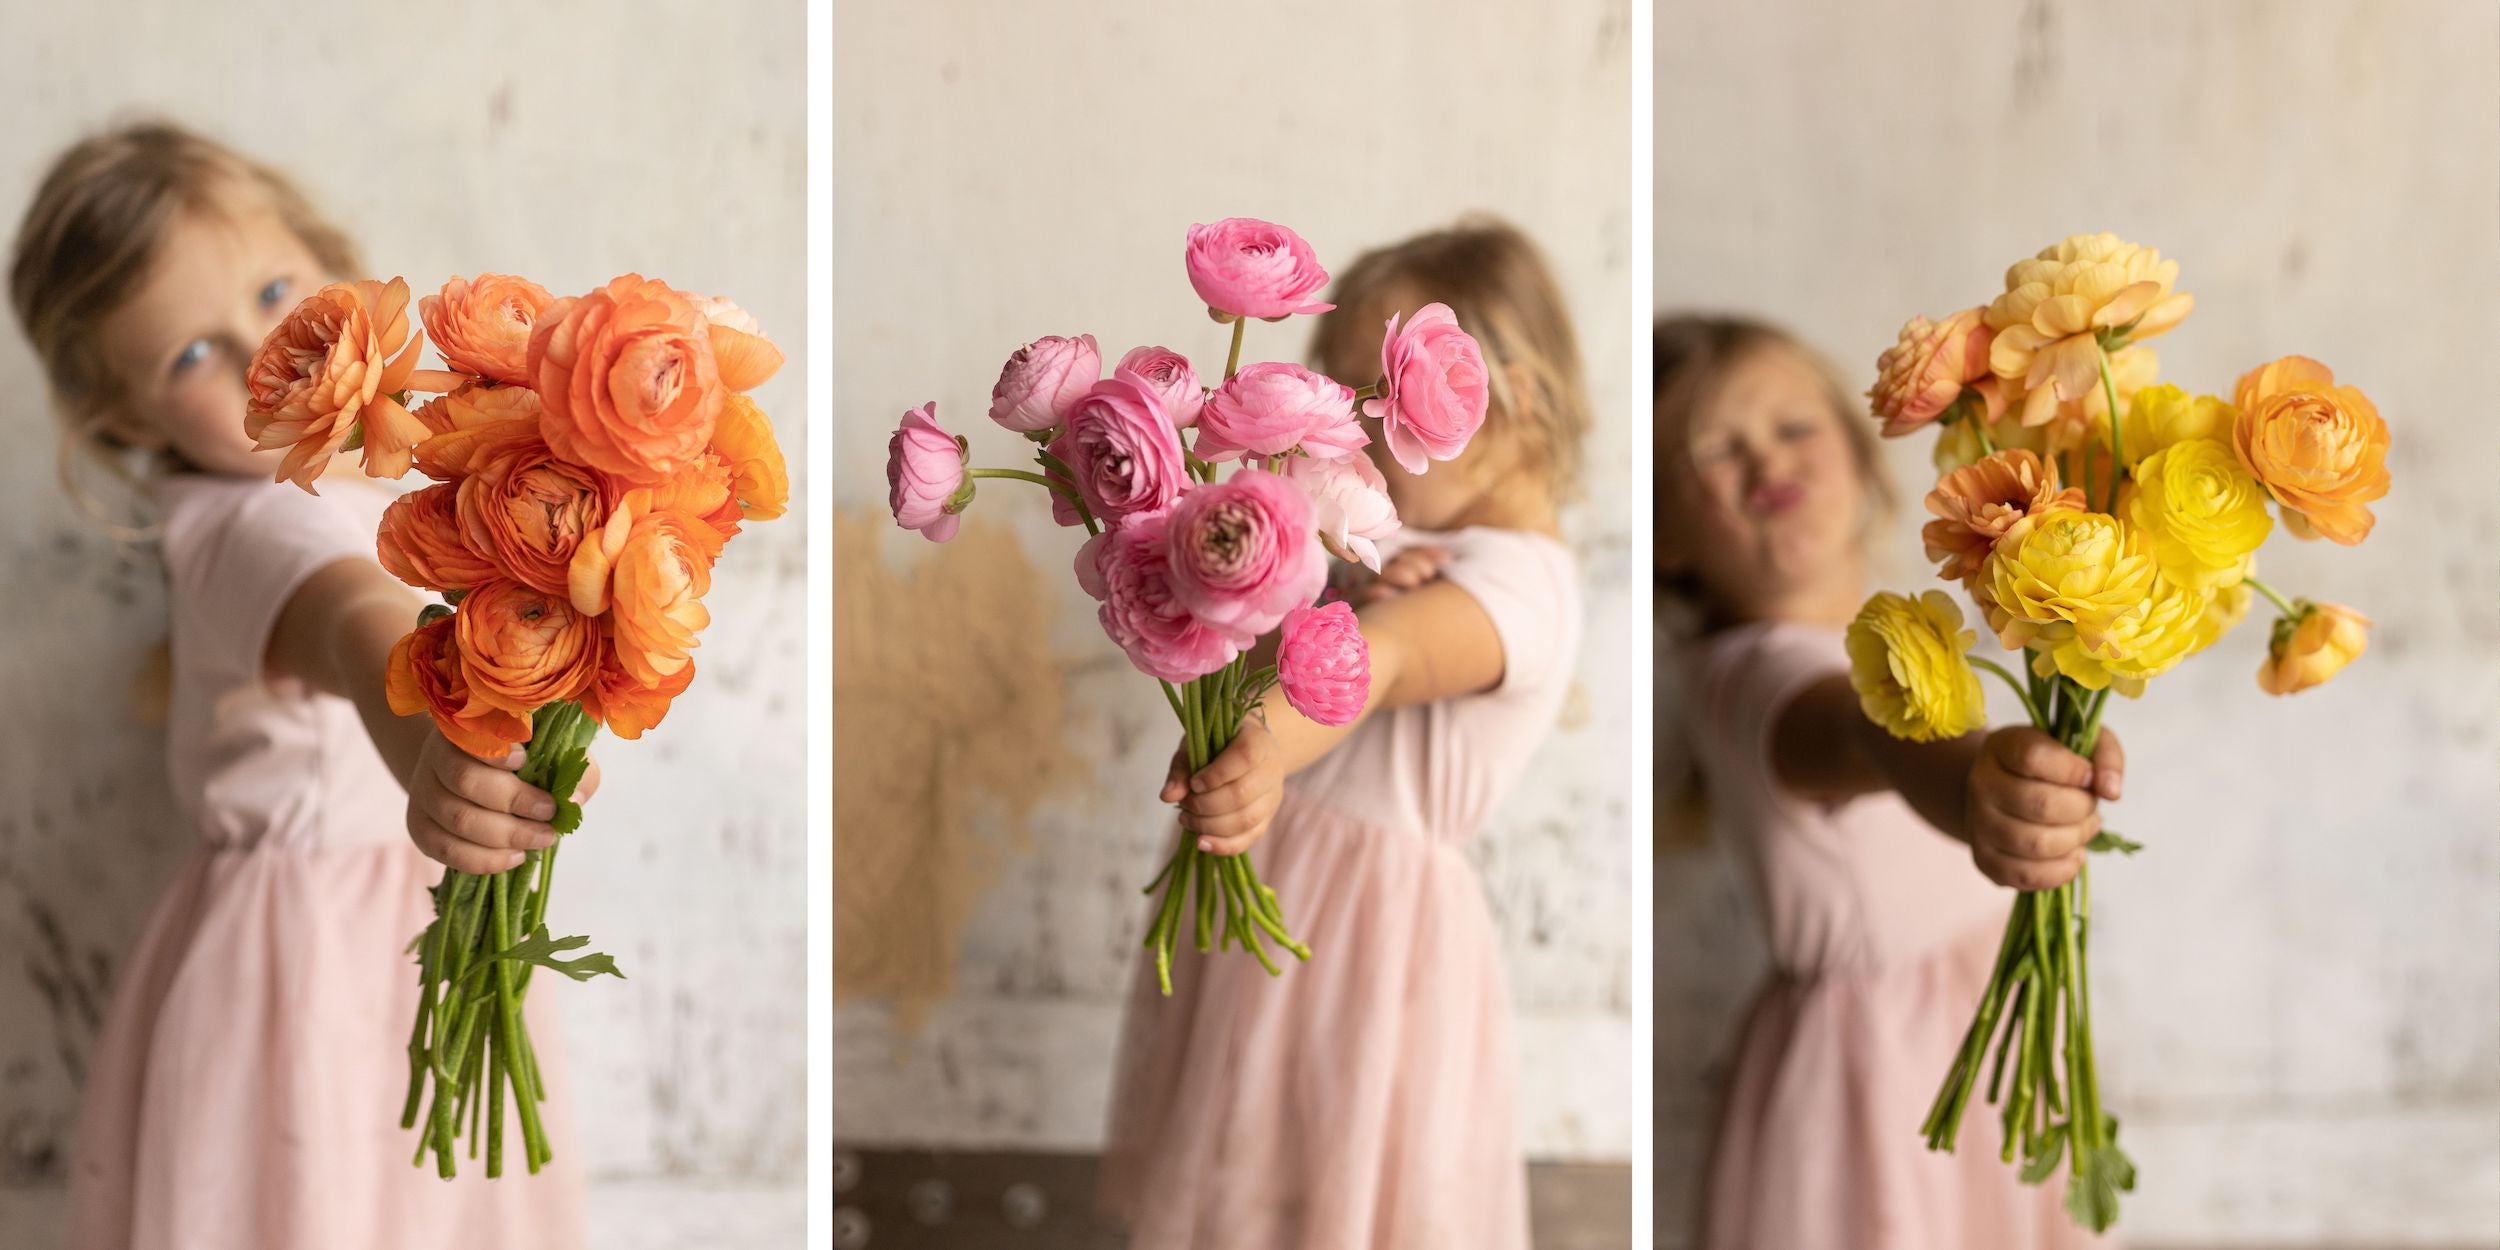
column 2105, row 527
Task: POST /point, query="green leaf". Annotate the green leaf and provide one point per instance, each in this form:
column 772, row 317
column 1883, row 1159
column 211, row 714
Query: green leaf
column 569, row 768
column 2052, row 1149
column 540, row 949
column 2100, row 1175
column 2109, row 840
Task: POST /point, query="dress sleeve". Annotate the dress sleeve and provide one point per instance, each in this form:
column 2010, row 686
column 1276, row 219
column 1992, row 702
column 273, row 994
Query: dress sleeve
column 1744, row 683
column 1530, row 588
column 235, row 552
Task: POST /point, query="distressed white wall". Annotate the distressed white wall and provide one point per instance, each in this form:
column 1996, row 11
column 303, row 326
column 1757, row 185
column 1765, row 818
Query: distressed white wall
column 1008, row 171
column 568, row 141
column 2298, row 984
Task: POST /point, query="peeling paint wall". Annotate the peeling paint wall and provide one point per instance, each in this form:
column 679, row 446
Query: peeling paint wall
column 1009, row 171
column 2297, row 984
column 548, row 139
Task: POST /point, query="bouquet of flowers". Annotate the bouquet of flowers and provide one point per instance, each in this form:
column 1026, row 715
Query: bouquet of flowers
column 2105, row 527
column 1211, row 513
column 590, row 457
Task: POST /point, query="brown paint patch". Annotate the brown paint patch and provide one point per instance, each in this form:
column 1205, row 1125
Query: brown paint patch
column 948, row 705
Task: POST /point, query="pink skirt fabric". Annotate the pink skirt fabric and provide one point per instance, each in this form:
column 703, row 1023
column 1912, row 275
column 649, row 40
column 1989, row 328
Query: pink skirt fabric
column 1818, row 1142
column 247, row 1087
column 1365, row 1100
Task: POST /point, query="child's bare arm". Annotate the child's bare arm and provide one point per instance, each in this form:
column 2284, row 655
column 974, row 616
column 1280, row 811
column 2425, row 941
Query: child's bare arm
column 335, row 634
column 2024, row 803
column 1434, row 641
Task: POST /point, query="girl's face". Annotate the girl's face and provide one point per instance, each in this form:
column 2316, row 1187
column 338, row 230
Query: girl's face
column 221, row 281
column 1770, row 504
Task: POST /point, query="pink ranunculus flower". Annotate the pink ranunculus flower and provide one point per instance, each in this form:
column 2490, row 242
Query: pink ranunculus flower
column 1122, row 451
column 1323, row 663
column 1244, row 267
column 1433, row 388
column 1126, row 568
column 1270, row 409
column 1043, row 380
column 924, row 471
column 1350, row 503
column 1920, row 376
column 1244, row 553
column 1168, row 375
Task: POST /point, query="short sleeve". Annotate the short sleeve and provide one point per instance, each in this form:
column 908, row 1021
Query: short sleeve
column 235, row 552
column 1530, row 587
column 1744, row 680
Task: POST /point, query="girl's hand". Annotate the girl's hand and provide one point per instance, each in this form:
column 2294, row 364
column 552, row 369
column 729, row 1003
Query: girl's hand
column 474, row 815
column 1230, row 802
column 1408, row 569
column 2033, row 804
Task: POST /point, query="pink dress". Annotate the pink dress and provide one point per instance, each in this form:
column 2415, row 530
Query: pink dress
column 1881, row 933
column 246, row 1090
column 1367, row 1099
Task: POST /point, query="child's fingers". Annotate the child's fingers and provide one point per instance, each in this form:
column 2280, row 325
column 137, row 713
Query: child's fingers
column 1248, row 751
column 2027, row 752
column 469, row 822
column 589, row 784
column 1239, row 832
column 438, row 844
column 2036, row 802
column 489, row 786
column 2033, row 840
column 2109, row 766
column 1176, row 780
column 2026, row 874
column 1220, row 801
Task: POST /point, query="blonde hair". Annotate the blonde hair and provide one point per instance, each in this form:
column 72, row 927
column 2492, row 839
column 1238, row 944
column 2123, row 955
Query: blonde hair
column 1505, row 295
column 90, row 237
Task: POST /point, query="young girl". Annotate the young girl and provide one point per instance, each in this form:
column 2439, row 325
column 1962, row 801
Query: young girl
column 1366, row 1099
column 247, row 1085
column 1880, row 931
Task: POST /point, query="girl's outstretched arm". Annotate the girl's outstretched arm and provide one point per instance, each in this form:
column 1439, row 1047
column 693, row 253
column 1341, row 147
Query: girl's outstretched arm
column 335, row 634
column 2024, row 803
column 1432, row 642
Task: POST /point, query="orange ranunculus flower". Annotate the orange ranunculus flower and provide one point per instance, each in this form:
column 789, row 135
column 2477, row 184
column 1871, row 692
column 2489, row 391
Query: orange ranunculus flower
column 519, row 503
column 1919, row 377
column 1975, row 506
column 759, row 476
column 2057, row 306
column 482, row 328
column 705, row 488
column 474, row 405
column 626, row 706
column 746, row 358
column 2309, row 648
column 425, row 674
column 523, row 647
column 628, row 379
column 330, row 369
column 420, row 542
column 2320, row 449
column 648, row 572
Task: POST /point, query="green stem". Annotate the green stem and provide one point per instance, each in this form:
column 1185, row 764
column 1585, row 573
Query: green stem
column 1232, row 359
column 2284, row 605
column 2037, row 721
column 2117, row 450
column 1054, row 465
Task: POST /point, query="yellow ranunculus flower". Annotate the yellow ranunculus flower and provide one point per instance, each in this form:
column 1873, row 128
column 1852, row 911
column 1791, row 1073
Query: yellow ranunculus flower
column 1909, row 661
column 2137, row 646
column 2065, row 575
column 2225, row 611
column 2201, row 509
column 2313, row 646
column 2162, row 416
column 2057, row 306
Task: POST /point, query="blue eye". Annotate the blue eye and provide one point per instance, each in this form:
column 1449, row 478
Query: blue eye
column 191, row 356
column 274, row 294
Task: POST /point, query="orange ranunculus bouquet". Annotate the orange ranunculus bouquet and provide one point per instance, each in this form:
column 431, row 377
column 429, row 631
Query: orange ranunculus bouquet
column 589, row 458
column 2105, row 528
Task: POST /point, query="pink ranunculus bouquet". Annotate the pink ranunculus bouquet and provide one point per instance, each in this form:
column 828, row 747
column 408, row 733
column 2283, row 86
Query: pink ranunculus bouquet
column 1211, row 515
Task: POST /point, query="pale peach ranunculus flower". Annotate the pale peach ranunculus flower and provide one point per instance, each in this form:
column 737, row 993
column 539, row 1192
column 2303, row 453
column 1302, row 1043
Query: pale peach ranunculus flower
column 1976, row 505
column 2058, row 304
column 1920, row 376
column 332, row 368
column 628, row 380
column 2320, row 448
column 2308, row 649
column 482, row 327
column 746, row 358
